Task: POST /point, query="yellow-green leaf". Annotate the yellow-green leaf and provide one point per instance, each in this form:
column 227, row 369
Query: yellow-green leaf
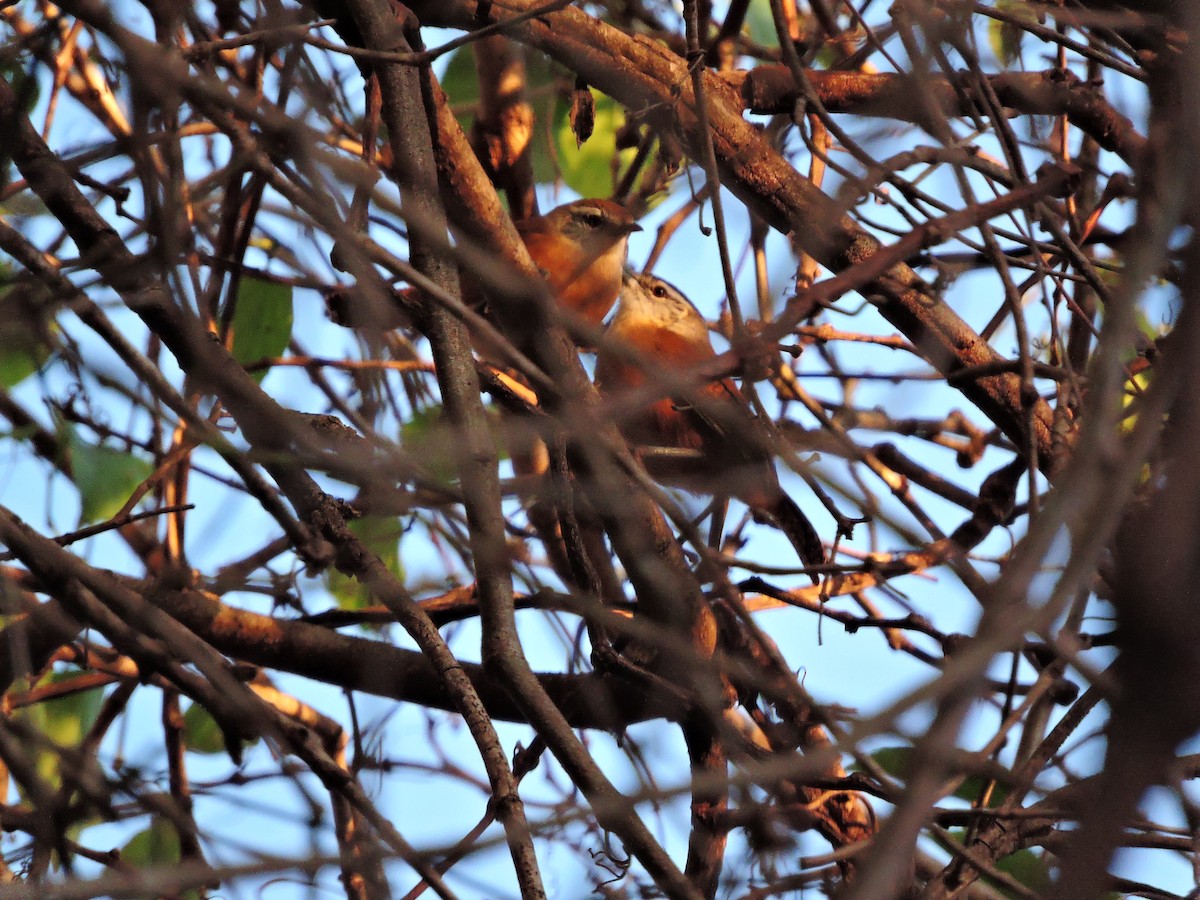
column 1025, row 866
column 973, row 786
column 28, row 331
column 21, row 355
column 157, row 845
column 63, row 721
column 426, row 437
column 587, row 169
column 25, row 87
column 1006, row 37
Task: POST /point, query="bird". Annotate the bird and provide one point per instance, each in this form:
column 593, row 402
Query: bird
column 579, row 247
column 731, row 453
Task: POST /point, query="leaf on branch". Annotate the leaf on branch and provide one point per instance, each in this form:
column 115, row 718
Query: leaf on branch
column 105, row 476
column 543, row 82
column 589, row 169
column 28, row 330
column 201, row 733
column 760, row 25
column 1025, row 866
column 157, row 845
column 262, row 322
column 896, row 761
column 1006, row 37
column 381, row 534
column 428, row 438
column 20, row 357
column 62, row 720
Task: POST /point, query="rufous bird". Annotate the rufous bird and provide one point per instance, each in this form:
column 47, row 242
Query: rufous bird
column 580, row 247
column 732, row 455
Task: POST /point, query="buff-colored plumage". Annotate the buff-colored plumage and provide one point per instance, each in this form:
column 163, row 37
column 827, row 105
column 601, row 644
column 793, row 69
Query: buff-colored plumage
column 733, row 455
column 581, row 249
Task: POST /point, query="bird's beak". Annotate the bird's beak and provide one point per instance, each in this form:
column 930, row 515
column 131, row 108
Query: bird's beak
column 632, row 227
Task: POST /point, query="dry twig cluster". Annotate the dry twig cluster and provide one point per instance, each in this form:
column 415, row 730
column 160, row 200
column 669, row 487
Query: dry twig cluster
column 983, row 214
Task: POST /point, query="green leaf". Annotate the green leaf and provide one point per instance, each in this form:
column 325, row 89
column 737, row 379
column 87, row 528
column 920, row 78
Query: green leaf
column 382, row 535
column 760, row 25
column 21, row 354
column 201, row 733
column 28, row 331
column 543, row 80
column 588, row 169
column 158, row 845
column 69, row 717
column 26, row 204
column 427, row 438
column 896, row 761
column 63, row 721
column 461, row 85
column 1027, row 867
column 262, row 321
column 973, row 786
column 105, row 476
column 26, row 88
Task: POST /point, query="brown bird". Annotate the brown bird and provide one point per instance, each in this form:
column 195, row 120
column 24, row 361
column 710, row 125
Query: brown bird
column 733, row 456
column 580, row 247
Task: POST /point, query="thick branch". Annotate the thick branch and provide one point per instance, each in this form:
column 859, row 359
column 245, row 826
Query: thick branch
column 770, row 90
column 644, row 75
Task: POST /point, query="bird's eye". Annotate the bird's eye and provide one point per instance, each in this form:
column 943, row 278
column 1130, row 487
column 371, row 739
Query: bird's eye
column 592, row 220
column 659, row 291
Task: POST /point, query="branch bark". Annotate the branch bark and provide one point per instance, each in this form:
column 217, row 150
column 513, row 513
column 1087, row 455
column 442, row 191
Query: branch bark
column 644, row 75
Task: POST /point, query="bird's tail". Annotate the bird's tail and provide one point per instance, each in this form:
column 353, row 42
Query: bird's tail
column 798, row 529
